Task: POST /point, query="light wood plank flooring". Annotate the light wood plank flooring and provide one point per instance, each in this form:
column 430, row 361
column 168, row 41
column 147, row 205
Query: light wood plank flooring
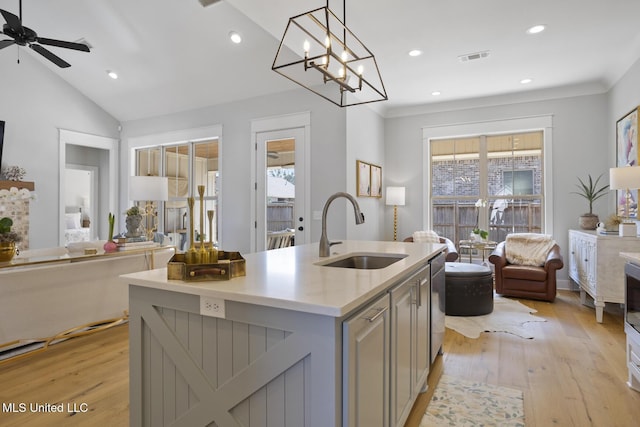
column 572, row 374
column 92, row 369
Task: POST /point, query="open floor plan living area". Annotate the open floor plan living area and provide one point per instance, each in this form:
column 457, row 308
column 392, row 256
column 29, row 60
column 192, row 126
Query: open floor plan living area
column 308, row 214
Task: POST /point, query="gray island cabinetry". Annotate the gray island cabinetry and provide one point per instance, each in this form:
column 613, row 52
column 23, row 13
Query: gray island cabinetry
column 294, row 343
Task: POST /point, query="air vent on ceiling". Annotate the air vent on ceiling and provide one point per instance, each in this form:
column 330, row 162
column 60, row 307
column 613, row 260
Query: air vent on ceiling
column 473, row 56
column 206, row 3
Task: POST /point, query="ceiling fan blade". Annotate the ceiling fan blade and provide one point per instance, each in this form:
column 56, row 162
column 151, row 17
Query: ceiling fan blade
column 12, row 20
column 61, row 43
column 50, row 56
column 5, row 43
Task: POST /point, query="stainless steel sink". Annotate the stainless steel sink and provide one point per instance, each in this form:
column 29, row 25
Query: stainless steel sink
column 365, row 261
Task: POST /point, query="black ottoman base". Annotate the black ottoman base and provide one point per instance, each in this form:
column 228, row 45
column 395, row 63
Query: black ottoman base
column 469, row 289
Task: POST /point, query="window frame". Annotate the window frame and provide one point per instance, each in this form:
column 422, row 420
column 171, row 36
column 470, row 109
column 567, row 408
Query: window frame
column 173, row 138
column 488, row 128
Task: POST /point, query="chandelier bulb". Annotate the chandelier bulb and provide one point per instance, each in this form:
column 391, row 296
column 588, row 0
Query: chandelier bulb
column 360, row 70
column 306, row 46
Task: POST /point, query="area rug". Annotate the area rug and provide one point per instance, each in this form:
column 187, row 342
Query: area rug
column 461, row 403
column 508, row 316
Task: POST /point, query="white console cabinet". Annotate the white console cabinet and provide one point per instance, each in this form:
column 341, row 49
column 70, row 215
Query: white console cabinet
column 596, row 266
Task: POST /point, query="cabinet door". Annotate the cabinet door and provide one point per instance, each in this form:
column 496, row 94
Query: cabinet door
column 422, row 338
column 573, row 258
column 402, row 346
column 437, row 326
column 591, row 265
column 581, row 261
column 366, row 360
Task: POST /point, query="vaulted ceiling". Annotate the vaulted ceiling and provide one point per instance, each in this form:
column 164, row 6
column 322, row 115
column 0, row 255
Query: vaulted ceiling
column 175, row 55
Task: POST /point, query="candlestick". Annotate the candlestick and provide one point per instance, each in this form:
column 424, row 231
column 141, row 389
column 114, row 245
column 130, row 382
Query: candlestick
column 204, row 255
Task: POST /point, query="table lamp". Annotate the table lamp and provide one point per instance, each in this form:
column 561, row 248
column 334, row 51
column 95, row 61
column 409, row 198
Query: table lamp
column 149, row 189
column 625, row 178
column 395, row 198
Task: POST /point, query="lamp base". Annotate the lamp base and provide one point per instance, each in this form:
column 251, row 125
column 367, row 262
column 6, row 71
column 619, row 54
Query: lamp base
column 395, row 223
column 628, row 229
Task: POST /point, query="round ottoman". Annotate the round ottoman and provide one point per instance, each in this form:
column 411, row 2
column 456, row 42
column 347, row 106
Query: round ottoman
column 468, row 289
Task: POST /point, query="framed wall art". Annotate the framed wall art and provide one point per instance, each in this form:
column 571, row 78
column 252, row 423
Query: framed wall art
column 368, row 179
column 363, row 179
column 376, row 181
column 627, row 155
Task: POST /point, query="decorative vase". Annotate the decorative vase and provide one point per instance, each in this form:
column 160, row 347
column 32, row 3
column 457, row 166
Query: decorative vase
column 474, row 237
column 133, row 225
column 588, row 221
column 7, row 251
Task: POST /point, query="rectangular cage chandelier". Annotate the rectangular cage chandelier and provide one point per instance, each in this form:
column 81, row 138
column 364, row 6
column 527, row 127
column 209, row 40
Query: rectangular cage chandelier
column 320, row 53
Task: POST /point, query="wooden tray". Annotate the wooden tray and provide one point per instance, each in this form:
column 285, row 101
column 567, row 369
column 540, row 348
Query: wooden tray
column 229, row 265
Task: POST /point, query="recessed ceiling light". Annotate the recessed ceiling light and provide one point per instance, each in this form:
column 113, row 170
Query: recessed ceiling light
column 536, row 29
column 235, row 37
column 415, row 52
column 112, row 74
column 436, row 93
column 526, row 81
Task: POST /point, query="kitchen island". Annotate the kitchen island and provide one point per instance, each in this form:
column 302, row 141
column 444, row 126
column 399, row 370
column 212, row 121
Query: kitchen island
column 294, row 342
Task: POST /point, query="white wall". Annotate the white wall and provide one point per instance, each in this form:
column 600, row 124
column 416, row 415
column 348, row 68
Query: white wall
column 35, row 104
column 581, row 135
column 365, row 141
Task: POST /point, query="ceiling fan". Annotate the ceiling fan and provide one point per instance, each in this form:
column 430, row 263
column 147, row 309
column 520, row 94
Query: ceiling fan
column 25, row 36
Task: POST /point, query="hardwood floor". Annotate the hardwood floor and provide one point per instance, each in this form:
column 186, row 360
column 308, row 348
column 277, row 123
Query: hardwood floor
column 572, row 374
column 91, row 370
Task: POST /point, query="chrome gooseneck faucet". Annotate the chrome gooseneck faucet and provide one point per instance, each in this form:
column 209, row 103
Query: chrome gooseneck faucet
column 325, row 245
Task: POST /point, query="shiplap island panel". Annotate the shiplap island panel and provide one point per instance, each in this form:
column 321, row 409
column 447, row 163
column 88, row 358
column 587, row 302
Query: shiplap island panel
column 276, row 358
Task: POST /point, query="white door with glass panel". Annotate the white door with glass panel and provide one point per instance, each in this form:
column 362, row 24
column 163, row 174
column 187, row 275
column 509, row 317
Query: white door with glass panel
column 280, row 189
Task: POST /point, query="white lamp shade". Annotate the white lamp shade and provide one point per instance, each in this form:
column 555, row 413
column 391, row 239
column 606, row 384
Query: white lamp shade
column 395, row 196
column 153, row 188
column 625, row 177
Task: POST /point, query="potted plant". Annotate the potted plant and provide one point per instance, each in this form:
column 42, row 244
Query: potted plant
column 134, row 218
column 590, row 191
column 8, row 240
column 111, row 246
column 478, row 233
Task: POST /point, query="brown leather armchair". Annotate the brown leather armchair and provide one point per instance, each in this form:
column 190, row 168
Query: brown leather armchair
column 452, row 252
column 526, row 281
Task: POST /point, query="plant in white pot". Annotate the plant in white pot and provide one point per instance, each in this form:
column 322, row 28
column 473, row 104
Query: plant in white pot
column 590, row 191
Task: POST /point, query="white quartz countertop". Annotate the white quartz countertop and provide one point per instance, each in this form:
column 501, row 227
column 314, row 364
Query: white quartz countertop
column 631, row 256
column 290, row 278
